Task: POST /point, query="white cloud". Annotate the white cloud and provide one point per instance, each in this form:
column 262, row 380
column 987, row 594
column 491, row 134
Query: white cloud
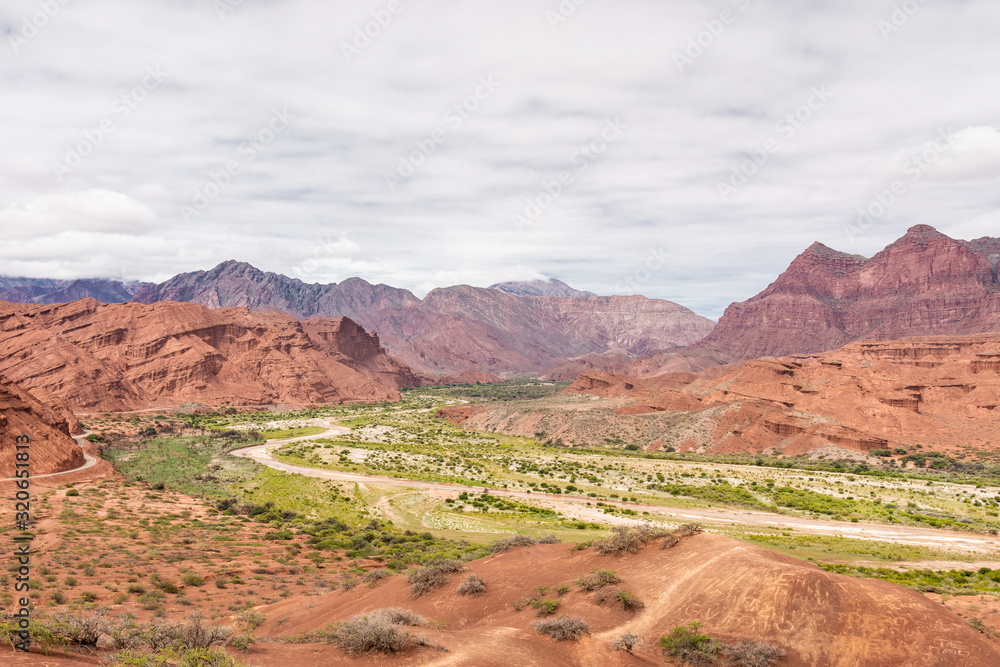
column 323, row 178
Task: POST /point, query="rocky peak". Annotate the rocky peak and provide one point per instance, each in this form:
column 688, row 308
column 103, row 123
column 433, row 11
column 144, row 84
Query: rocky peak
column 550, row 287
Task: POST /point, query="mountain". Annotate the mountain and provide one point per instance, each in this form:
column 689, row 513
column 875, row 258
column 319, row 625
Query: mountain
column 939, row 392
column 30, row 290
column 550, row 287
column 457, row 328
column 923, row 284
column 96, row 357
column 51, row 447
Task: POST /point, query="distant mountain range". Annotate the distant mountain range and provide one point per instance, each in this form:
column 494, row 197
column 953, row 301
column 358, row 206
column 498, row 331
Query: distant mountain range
column 924, row 284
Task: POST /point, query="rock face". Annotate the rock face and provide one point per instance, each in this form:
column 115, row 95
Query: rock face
column 28, row 290
column 924, row 284
column 550, row 287
column 940, row 392
column 93, row 357
column 51, row 447
column 737, row 590
column 456, row 328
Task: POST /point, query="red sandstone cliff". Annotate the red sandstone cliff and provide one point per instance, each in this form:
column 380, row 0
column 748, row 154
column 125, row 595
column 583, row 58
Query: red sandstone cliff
column 91, row 356
column 923, row 284
column 51, row 447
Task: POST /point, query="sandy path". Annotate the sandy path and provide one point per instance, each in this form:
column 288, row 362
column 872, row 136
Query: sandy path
column 576, row 506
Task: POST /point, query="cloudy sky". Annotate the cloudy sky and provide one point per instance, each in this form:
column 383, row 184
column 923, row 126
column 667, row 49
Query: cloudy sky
column 682, row 150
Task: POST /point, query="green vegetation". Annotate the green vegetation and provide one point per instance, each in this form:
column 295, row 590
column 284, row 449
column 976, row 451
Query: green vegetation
column 983, row 581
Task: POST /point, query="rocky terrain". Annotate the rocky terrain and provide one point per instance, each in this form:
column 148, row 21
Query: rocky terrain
column 736, row 590
column 51, row 447
column 91, row 356
column 923, row 284
column 457, row 328
column 938, row 392
column 29, row 290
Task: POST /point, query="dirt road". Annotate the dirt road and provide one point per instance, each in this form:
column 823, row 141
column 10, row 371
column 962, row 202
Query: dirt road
column 582, row 508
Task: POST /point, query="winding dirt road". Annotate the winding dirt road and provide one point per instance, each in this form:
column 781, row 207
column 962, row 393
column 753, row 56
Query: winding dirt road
column 578, row 507
column 89, row 462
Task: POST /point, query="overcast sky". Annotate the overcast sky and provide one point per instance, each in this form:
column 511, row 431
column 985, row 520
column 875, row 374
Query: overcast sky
column 144, row 139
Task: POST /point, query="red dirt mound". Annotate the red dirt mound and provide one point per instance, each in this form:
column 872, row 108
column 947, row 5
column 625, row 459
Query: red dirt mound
column 736, row 590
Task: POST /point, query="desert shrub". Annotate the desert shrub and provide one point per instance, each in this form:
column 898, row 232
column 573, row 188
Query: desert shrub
column 136, row 589
column 597, row 579
column 627, row 540
column 548, row 539
column 375, row 576
column 628, row 642
column 381, row 631
column 629, row 601
column 348, row 583
column 88, row 596
column 689, row 529
column 221, row 582
column 508, row 543
column 751, row 653
column 669, row 542
column 545, row 607
column 72, row 492
column 173, row 658
column 473, row 585
column 253, row 619
column 125, row 634
column 195, row 634
column 688, row 645
column 81, row 629
column 192, row 579
column 602, row 595
column 563, row 628
column 58, row 596
column 433, row 575
column 561, row 589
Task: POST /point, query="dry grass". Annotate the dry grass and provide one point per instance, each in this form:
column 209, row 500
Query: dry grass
column 473, row 585
column 564, row 628
column 628, row 540
column 380, row 631
column 431, row 576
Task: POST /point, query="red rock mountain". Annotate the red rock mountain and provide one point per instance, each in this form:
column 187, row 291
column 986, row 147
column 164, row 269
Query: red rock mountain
column 941, row 392
column 91, row 356
column 457, row 328
column 51, row 449
column 923, row 284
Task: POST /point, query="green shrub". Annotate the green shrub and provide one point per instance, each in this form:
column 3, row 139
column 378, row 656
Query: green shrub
column 688, row 645
column 73, row 492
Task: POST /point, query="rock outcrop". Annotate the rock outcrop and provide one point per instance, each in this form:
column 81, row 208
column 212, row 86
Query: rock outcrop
column 93, row 357
column 939, row 392
column 51, row 447
column 550, row 287
column 923, row 284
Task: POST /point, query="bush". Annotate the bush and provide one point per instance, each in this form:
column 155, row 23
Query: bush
column 253, row 619
column 192, row 579
column 629, row 601
column 597, row 579
column 751, row 653
column 627, row 540
column 508, row 543
column 563, row 628
column 473, row 585
column 688, row 645
column 433, row 575
column 375, row 576
column 548, row 539
column 173, row 658
column 195, row 634
column 628, row 642
column 545, row 607
column 381, row 631
column 81, row 629
column 72, row 492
